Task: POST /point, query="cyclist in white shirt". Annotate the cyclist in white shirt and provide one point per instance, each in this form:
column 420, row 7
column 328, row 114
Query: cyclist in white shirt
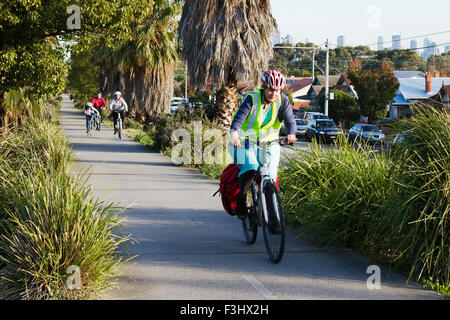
column 117, row 105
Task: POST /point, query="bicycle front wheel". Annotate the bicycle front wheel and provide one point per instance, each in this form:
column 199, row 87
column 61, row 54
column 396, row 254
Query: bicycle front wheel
column 119, row 128
column 250, row 224
column 274, row 230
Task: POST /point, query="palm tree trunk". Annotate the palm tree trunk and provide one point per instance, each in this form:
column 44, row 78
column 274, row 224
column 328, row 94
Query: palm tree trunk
column 152, row 90
column 147, row 91
column 226, row 104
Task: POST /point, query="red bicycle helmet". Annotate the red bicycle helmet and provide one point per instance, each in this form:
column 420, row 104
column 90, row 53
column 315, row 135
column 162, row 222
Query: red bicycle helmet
column 274, row 79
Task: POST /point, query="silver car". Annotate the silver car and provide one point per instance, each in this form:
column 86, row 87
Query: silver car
column 366, row 132
column 301, row 127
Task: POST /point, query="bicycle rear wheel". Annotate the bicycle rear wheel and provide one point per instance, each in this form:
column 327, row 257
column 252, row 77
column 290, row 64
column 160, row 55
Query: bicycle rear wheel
column 250, row 224
column 274, row 230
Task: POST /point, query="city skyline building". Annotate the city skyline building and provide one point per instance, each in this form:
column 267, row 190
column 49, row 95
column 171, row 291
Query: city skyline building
column 396, row 42
column 341, row 41
column 430, row 49
column 380, row 43
column 413, row 45
column 288, row 39
column 276, row 38
column 282, row 39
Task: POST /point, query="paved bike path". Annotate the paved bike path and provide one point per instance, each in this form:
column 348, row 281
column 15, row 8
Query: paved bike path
column 189, row 248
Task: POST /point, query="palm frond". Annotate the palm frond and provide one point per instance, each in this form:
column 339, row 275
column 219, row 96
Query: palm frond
column 226, row 40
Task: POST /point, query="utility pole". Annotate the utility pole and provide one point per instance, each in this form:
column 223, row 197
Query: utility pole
column 327, row 72
column 312, row 76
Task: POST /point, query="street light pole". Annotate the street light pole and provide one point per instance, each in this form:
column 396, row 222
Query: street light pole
column 327, row 72
column 313, row 55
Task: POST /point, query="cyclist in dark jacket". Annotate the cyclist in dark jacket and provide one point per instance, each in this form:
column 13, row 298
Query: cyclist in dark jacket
column 89, row 112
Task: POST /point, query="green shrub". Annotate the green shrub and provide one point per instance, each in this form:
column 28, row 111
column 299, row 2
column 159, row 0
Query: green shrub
column 418, row 223
column 392, row 207
column 50, row 220
column 39, row 141
column 333, row 194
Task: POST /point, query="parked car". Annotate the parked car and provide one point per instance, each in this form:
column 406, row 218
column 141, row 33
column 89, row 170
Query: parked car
column 301, row 127
column 323, row 130
column 175, row 103
column 366, row 133
column 197, row 104
column 300, row 130
column 314, row 115
column 179, row 103
column 399, row 138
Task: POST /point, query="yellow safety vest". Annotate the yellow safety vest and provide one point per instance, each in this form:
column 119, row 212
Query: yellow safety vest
column 252, row 127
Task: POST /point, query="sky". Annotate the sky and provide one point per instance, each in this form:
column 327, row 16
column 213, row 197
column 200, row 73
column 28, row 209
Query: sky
column 361, row 22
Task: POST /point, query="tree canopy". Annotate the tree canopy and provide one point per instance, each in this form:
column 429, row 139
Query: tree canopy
column 295, row 62
column 342, row 107
column 34, row 33
column 376, row 87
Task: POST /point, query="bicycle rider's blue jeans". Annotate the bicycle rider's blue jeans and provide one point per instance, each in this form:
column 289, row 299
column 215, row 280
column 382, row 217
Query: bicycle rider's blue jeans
column 251, row 159
column 88, row 118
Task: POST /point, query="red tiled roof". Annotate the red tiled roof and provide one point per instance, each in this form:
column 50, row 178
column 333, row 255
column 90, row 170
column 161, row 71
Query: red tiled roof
column 345, row 76
column 342, row 87
column 299, row 84
column 300, row 104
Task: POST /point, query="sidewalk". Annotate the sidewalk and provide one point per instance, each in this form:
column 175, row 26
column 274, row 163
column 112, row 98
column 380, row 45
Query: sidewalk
column 189, row 248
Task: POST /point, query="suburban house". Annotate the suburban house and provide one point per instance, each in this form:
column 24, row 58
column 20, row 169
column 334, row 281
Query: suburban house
column 409, row 74
column 416, row 90
column 442, row 98
column 317, row 86
column 344, row 85
column 300, row 88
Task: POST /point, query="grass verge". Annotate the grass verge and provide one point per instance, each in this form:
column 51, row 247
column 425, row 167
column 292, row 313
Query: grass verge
column 50, row 221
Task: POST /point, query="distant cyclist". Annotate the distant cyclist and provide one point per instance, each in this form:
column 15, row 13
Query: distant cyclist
column 89, row 112
column 117, row 105
column 259, row 118
column 99, row 103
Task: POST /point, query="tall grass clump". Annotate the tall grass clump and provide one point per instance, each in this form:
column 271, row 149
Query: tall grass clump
column 50, row 220
column 333, row 194
column 393, row 207
column 417, row 222
column 40, row 141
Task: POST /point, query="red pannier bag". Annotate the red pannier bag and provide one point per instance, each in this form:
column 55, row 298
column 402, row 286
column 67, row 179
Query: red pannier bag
column 229, row 188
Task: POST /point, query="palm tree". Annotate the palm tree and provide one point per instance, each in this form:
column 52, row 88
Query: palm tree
column 229, row 42
column 142, row 67
column 16, row 106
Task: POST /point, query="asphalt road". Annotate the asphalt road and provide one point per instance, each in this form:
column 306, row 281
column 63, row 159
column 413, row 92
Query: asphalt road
column 189, row 248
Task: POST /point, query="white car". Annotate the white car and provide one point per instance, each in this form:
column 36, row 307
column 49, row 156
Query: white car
column 314, row 115
column 175, row 103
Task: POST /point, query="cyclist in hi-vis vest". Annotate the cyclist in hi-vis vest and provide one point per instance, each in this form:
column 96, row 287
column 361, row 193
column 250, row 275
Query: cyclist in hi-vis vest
column 259, row 118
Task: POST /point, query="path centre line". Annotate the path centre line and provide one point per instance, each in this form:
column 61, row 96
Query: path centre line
column 266, row 293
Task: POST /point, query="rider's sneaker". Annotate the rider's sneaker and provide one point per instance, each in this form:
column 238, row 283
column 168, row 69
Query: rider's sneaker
column 241, row 208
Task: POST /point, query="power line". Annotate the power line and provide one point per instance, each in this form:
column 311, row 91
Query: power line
column 408, row 38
